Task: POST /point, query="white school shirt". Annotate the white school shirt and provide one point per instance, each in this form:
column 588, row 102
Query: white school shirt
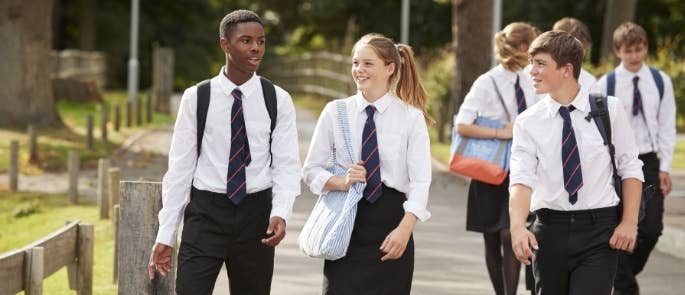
column 482, row 98
column 536, row 160
column 403, row 145
column 659, row 114
column 210, row 173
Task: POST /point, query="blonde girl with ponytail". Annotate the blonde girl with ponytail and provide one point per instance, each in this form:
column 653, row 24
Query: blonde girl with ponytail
column 500, row 95
column 388, row 124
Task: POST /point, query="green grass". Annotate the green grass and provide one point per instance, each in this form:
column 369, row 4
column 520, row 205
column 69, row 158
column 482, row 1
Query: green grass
column 50, row 212
column 439, row 150
column 55, row 142
column 679, row 155
column 310, row 103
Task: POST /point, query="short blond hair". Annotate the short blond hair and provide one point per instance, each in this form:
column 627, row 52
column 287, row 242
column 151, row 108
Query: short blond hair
column 576, row 28
column 628, row 34
column 507, row 42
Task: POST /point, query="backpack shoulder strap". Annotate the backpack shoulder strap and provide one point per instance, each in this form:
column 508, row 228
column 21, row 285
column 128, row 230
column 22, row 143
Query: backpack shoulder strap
column 659, row 81
column 203, row 93
column 599, row 112
column 269, row 92
column 611, row 83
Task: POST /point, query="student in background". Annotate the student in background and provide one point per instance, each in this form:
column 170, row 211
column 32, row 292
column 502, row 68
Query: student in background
column 388, row 126
column 487, row 210
column 647, row 96
column 579, row 30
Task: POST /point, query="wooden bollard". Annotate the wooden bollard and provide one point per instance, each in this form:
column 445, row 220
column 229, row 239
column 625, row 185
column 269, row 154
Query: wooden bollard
column 114, row 176
column 115, row 230
column 129, row 115
column 148, row 107
column 138, row 225
column 14, row 166
column 139, row 112
column 34, row 271
column 73, row 167
column 33, row 144
column 117, row 117
column 86, row 243
column 89, row 132
column 102, row 190
column 103, row 123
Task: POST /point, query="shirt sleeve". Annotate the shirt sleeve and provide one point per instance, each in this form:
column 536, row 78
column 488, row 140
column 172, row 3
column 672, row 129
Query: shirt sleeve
column 524, row 162
column 178, row 178
column 474, row 101
column 320, row 148
column 285, row 171
column 627, row 163
column 666, row 135
column 419, row 169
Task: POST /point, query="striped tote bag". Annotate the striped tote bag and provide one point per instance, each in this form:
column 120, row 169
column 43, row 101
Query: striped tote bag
column 327, row 232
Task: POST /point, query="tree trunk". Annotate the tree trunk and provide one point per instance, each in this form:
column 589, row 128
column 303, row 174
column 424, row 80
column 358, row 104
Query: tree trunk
column 472, row 42
column 87, row 25
column 25, row 87
column 615, row 13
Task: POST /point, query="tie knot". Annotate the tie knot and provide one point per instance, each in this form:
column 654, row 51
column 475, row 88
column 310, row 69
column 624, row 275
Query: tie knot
column 370, row 110
column 517, row 81
column 565, row 112
column 635, row 79
column 237, row 94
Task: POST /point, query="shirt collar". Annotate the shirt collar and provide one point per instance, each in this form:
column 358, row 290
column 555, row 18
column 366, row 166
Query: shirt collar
column 381, row 104
column 505, row 74
column 581, row 102
column 228, row 86
column 643, row 72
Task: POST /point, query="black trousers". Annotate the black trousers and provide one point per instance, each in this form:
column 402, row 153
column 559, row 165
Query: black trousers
column 361, row 271
column 648, row 231
column 216, row 231
column 574, row 255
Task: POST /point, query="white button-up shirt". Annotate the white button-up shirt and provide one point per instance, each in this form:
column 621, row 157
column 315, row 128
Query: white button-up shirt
column 660, row 114
column 482, row 98
column 403, row 145
column 210, row 173
column 536, row 160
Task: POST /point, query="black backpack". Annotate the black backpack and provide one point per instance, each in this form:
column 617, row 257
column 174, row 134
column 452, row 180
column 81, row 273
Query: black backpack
column 599, row 112
column 203, row 94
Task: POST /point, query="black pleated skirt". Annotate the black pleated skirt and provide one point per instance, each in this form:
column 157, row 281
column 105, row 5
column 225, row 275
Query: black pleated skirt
column 361, row 271
column 488, row 207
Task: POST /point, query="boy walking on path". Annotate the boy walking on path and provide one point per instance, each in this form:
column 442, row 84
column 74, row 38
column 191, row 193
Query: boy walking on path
column 562, row 171
column 233, row 190
column 647, row 96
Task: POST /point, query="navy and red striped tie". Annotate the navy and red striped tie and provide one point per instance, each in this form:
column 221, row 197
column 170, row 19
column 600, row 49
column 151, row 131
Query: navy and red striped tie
column 573, row 176
column 637, row 97
column 240, row 151
column 372, row 162
column 520, row 97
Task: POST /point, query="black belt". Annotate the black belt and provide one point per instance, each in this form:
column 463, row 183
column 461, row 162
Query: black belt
column 557, row 216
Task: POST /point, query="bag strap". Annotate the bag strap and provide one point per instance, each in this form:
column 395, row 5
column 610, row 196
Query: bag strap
column 659, row 82
column 611, row 83
column 501, row 100
column 269, row 93
column 345, row 128
column 599, row 109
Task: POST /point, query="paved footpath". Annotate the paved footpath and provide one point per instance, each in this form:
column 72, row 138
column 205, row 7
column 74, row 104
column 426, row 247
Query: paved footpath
column 449, row 260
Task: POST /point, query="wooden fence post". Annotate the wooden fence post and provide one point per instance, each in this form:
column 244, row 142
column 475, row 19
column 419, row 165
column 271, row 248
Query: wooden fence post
column 103, row 191
column 34, row 271
column 73, row 167
column 115, row 230
column 103, row 123
column 138, row 225
column 89, row 132
column 114, row 176
column 33, row 147
column 117, row 118
column 148, row 107
column 129, row 115
column 86, row 241
column 139, row 111
column 14, row 166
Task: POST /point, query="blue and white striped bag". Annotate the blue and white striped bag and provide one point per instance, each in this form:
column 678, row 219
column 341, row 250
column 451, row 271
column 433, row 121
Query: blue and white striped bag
column 327, row 232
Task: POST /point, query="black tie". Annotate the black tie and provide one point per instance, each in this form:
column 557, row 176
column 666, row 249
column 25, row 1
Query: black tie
column 240, row 151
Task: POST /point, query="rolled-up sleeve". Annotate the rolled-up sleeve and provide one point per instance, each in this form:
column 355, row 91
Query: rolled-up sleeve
column 419, row 169
column 666, row 135
column 627, row 163
column 285, row 170
column 320, row 148
column 178, row 178
column 523, row 157
column 474, row 101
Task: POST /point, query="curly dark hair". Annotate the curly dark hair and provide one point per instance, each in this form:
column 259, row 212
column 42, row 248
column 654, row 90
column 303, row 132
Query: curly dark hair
column 235, row 17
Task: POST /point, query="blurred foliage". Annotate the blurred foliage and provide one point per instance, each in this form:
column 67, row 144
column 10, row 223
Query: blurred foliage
column 437, row 77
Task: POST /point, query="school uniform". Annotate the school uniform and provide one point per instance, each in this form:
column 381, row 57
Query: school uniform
column 217, row 227
column 403, row 151
column 487, row 209
column 653, row 123
column 573, row 195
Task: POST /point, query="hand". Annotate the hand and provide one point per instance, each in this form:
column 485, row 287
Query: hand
column 506, row 132
column 395, row 243
column 624, row 236
column 277, row 231
column 523, row 243
column 356, row 173
column 665, row 181
column 160, row 260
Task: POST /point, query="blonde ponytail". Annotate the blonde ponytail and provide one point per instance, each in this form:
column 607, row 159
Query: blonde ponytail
column 508, row 42
column 409, row 86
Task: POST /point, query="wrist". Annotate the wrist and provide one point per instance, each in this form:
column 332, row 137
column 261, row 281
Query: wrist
column 496, row 133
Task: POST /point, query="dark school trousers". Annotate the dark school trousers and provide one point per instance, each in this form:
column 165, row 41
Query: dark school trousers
column 216, row 231
column 574, row 256
column 648, row 231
